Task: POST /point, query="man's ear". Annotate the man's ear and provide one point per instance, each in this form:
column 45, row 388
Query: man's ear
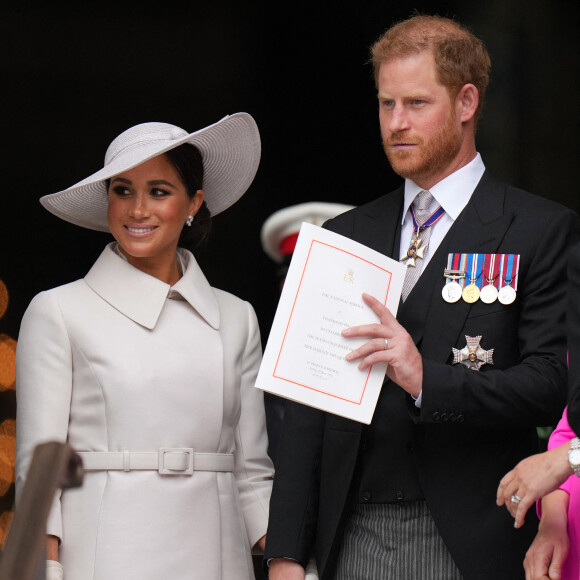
column 466, row 102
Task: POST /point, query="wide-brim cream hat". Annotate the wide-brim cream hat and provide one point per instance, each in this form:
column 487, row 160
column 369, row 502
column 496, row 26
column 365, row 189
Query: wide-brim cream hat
column 230, row 150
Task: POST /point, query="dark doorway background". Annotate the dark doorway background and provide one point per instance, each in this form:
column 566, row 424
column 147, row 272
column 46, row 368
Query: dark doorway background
column 73, row 78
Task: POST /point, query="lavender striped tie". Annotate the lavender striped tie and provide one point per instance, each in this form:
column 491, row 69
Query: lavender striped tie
column 421, row 207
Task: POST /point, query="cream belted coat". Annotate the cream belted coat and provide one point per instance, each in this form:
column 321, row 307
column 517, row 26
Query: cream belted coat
column 120, row 361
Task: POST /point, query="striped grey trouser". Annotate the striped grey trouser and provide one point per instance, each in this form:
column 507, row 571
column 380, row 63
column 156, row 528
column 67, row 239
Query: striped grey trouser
column 395, row 542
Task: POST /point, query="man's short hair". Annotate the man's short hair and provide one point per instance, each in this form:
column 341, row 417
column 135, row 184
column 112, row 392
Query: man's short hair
column 460, row 57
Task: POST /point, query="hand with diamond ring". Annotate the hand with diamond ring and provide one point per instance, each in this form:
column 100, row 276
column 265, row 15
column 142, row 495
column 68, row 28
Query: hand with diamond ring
column 531, row 479
column 391, row 343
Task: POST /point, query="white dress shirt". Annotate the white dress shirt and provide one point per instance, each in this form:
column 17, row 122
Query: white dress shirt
column 452, row 193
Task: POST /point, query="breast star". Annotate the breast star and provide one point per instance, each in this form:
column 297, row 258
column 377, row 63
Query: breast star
column 472, row 355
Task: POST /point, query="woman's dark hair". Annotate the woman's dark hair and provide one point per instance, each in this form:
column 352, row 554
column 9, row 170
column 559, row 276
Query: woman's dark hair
column 188, row 163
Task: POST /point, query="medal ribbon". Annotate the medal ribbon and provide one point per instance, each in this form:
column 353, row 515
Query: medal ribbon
column 497, row 269
column 456, row 262
column 496, row 266
column 432, row 219
column 476, row 268
column 491, row 269
column 508, row 274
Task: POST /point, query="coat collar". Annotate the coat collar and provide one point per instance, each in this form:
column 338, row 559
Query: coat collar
column 141, row 297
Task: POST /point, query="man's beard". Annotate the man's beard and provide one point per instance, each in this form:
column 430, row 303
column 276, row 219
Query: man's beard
column 428, row 157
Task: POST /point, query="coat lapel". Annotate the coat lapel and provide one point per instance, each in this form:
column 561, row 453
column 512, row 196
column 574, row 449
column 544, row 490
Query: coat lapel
column 378, row 226
column 479, row 228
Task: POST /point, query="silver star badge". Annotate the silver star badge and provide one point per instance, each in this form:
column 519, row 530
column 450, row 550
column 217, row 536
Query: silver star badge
column 416, row 250
column 472, row 355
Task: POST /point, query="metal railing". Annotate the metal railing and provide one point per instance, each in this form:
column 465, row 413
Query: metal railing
column 53, row 466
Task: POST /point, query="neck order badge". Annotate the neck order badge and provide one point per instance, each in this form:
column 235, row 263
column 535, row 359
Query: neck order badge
column 420, row 238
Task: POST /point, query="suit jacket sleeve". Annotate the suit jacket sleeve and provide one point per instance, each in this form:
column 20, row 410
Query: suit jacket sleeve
column 294, row 503
column 573, row 325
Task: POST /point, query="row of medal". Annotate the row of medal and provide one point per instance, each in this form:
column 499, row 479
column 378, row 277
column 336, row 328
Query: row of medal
column 485, row 277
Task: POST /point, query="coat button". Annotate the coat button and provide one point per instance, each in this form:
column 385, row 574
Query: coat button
column 436, row 415
column 444, row 417
column 452, row 417
column 460, row 418
column 400, row 496
column 366, row 496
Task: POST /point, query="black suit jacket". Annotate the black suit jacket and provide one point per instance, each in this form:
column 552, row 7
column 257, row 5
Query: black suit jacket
column 496, row 410
column 574, row 338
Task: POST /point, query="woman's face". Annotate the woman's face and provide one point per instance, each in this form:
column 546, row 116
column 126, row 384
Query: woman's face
column 148, row 206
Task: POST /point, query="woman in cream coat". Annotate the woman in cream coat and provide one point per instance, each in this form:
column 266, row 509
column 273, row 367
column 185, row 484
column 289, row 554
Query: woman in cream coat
column 147, row 371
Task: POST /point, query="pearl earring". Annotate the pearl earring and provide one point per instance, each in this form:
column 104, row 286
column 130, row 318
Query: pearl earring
column 189, row 221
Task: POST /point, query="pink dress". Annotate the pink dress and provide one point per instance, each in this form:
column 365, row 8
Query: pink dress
column 571, row 569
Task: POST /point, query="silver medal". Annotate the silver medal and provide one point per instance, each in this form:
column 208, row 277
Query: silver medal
column 451, row 292
column 488, row 294
column 506, row 295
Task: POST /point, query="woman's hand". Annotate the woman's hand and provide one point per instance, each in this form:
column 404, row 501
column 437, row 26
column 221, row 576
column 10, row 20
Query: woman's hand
column 285, row 569
column 549, row 549
column 531, row 479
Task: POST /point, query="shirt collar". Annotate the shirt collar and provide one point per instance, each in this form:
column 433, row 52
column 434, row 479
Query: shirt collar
column 453, row 192
column 141, row 297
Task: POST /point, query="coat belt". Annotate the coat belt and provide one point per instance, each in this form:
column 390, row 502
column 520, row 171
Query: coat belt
column 167, row 461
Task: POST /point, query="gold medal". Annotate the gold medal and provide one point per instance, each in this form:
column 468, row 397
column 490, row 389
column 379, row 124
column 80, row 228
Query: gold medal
column 470, row 293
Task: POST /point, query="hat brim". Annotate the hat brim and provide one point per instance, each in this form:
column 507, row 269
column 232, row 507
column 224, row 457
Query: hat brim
column 288, row 220
column 230, row 150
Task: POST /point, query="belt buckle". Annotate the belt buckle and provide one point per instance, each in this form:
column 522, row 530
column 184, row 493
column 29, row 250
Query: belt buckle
column 165, row 471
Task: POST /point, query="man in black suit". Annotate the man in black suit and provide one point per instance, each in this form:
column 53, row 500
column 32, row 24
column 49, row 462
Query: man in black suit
column 539, row 474
column 469, row 377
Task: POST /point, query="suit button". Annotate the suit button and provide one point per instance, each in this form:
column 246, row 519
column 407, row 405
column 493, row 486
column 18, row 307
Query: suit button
column 366, row 496
column 444, row 417
column 460, row 418
column 436, row 415
column 452, row 417
column 400, row 496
